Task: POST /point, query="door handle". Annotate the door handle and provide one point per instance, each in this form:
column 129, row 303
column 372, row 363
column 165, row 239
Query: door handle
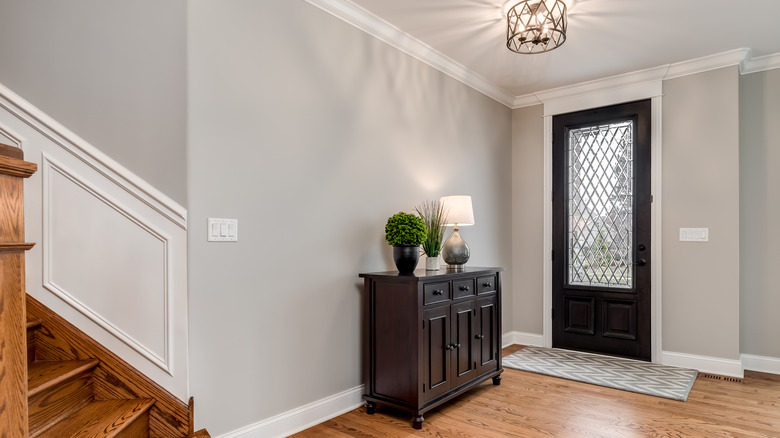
column 641, row 262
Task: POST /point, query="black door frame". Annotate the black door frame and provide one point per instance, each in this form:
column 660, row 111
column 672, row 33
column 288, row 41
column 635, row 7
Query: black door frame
column 646, row 347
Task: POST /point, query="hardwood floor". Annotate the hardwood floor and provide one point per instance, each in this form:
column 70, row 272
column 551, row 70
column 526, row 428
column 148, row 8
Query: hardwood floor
column 531, row 405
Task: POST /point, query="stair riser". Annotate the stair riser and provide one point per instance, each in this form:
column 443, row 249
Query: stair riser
column 138, row 429
column 30, row 345
column 57, row 402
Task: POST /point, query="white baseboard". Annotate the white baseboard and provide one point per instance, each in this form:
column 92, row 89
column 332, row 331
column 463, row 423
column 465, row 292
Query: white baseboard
column 304, row 417
column 522, row 338
column 761, row 364
column 706, row 364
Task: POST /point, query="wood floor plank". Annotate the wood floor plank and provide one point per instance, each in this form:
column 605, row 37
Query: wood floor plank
column 530, row 405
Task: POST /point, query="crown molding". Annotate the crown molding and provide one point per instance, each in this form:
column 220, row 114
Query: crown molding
column 707, row 63
column 761, row 63
column 643, row 79
column 604, row 84
column 526, row 100
column 386, row 32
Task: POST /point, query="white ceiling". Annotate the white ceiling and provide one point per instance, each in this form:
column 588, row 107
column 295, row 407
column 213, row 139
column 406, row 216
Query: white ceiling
column 604, row 38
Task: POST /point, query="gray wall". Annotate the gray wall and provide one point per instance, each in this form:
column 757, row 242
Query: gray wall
column 759, row 159
column 528, row 217
column 311, row 133
column 113, row 72
column 701, row 189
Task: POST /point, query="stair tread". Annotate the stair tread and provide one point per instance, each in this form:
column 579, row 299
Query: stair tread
column 32, row 323
column 99, row 419
column 42, row 375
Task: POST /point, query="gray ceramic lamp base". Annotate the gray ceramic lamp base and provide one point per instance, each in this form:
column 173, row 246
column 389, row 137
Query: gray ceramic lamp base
column 455, row 252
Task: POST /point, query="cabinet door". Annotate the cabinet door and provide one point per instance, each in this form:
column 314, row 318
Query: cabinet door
column 463, row 328
column 486, row 337
column 436, row 348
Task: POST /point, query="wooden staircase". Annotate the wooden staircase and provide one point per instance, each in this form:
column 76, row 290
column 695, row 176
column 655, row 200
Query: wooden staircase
column 78, row 388
column 74, row 387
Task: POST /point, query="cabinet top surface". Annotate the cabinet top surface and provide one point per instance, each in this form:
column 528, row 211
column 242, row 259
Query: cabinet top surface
column 423, row 274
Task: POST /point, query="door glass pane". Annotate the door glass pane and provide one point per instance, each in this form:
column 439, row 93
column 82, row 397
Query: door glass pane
column 600, row 190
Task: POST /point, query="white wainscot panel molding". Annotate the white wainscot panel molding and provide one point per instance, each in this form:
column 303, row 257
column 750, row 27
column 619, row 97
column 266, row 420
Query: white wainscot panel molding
column 111, row 251
column 128, row 294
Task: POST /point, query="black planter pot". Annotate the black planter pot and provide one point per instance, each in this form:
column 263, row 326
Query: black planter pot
column 406, row 257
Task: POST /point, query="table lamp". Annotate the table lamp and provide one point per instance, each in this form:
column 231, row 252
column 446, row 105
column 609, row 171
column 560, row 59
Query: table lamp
column 455, row 251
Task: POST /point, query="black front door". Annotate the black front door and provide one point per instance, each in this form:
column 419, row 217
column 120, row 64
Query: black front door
column 601, row 230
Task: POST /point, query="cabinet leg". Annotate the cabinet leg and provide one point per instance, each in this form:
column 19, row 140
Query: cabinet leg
column 497, row 380
column 417, row 421
column 370, row 407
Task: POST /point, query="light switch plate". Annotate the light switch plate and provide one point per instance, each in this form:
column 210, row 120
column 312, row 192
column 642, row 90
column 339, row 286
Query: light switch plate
column 694, row 234
column 222, row 230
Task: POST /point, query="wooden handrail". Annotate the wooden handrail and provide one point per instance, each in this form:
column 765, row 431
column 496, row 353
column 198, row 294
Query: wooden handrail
column 13, row 324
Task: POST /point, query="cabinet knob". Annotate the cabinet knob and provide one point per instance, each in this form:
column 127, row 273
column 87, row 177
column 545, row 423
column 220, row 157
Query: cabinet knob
column 464, row 288
column 438, row 292
column 487, row 284
column 456, row 345
column 479, row 337
column 450, row 347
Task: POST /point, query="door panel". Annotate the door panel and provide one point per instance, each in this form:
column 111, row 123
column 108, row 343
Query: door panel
column 437, row 352
column 580, row 315
column 463, row 319
column 620, row 319
column 601, row 230
column 486, row 338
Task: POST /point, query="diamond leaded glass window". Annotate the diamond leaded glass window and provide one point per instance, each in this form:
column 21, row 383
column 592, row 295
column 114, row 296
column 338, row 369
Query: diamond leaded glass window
column 600, row 190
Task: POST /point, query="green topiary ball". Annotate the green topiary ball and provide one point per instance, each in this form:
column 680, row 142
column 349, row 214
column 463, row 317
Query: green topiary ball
column 405, row 229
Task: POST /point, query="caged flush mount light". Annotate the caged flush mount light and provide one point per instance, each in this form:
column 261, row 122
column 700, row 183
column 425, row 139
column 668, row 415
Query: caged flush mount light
column 536, row 26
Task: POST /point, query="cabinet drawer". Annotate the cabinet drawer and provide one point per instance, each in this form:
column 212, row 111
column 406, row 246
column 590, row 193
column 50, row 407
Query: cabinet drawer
column 436, row 292
column 486, row 284
column 463, row 288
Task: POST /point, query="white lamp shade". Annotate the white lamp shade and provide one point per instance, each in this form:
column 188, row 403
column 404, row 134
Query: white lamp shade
column 458, row 210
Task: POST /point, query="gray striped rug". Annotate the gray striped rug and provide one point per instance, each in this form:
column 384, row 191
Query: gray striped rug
column 613, row 372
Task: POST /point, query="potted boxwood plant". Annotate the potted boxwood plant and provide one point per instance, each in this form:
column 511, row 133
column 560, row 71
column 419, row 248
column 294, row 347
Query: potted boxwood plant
column 405, row 232
column 433, row 215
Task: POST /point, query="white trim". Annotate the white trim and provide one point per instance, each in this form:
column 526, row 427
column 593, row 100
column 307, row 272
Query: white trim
column 601, row 98
column 304, row 417
column 14, row 138
column 605, row 85
column 90, row 155
column 761, row 63
column 594, row 100
column 631, row 86
column 522, row 338
column 656, row 228
column 525, row 100
column 395, row 37
column 48, row 165
column 706, row 364
column 707, row 63
column 761, row 364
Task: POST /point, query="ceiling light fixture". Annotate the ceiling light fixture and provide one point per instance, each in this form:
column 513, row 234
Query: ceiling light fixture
column 536, row 26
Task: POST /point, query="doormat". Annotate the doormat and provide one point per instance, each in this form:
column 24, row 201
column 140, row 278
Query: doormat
column 613, row 372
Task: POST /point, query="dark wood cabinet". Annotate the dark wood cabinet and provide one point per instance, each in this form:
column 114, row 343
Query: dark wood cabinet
column 429, row 336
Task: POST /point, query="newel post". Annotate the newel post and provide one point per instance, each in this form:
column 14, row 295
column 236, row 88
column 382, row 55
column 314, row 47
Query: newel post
column 13, row 324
